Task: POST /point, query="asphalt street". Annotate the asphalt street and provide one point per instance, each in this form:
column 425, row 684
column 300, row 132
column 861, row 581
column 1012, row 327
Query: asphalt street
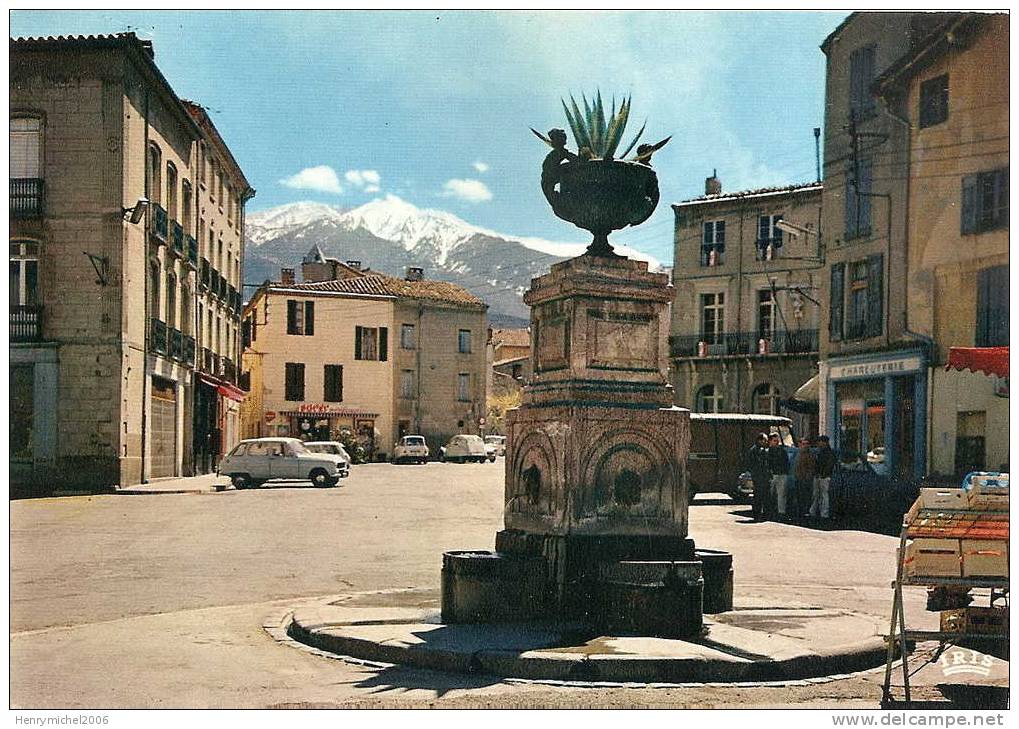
column 159, row 600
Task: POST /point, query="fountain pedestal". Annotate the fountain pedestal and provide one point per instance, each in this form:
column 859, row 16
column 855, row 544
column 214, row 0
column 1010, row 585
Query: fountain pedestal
column 596, row 491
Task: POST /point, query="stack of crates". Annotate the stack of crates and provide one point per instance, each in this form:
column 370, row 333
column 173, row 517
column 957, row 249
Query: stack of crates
column 960, row 533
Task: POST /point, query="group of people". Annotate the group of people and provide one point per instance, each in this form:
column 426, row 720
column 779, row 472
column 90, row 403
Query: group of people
column 791, row 491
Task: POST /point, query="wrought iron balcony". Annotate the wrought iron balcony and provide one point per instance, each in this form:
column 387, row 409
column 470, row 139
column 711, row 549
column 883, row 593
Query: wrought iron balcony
column 204, row 273
column 176, row 344
column 189, row 351
column 28, row 197
column 214, row 282
column 205, row 360
column 222, row 288
column 159, row 337
column 160, row 222
column 229, row 370
column 192, row 247
column 26, row 323
column 177, row 237
column 795, row 341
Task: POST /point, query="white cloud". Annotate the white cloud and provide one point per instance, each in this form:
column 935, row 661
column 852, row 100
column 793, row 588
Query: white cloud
column 481, row 166
column 321, row 179
column 366, row 180
column 474, row 191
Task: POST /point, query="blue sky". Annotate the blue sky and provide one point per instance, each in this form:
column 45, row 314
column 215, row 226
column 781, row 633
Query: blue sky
column 342, row 107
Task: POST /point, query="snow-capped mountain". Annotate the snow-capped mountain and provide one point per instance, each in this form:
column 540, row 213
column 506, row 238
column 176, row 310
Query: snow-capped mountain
column 389, row 234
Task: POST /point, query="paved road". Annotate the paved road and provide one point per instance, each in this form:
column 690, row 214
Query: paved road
column 142, row 601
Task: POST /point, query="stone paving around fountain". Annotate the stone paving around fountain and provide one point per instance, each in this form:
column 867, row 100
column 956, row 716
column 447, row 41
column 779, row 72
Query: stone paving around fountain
column 749, row 643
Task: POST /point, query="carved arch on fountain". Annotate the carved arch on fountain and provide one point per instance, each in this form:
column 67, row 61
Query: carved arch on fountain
column 533, row 475
column 628, row 471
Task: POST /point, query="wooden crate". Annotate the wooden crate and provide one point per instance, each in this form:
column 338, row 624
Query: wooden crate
column 943, row 499
column 933, row 558
column 984, row 558
column 975, row 620
column 987, row 501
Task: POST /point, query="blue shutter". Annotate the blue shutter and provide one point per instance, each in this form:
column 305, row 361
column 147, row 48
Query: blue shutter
column 875, row 294
column 838, row 298
column 968, row 223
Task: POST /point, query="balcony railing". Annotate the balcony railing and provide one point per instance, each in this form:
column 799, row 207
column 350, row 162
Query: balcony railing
column 28, row 197
column 26, row 323
column 177, row 238
column 222, row 289
column 189, row 351
column 204, row 273
column 229, row 370
column 160, row 332
column 214, row 282
column 796, row 341
column 160, row 221
column 176, row 344
column 192, row 247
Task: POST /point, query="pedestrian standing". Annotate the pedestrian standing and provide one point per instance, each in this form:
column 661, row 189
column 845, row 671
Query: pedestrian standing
column 778, row 464
column 804, row 471
column 826, row 460
column 757, row 465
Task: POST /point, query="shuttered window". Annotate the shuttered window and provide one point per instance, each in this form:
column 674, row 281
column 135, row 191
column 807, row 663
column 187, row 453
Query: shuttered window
column 333, row 383
column 934, row 101
column 300, row 317
column 858, row 199
column 371, row 343
column 861, row 76
column 992, row 307
column 875, row 295
column 26, row 147
column 463, row 387
column 985, row 201
column 838, row 296
column 294, row 385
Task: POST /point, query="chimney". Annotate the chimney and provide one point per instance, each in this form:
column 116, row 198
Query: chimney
column 712, row 185
column 356, row 265
column 287, row 276
column 414, row 273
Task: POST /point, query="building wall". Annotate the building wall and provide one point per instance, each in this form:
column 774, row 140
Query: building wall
column 944, row 262
column 740, row 276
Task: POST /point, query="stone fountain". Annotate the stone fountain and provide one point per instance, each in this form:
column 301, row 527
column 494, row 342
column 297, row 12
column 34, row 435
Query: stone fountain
column 596, row 492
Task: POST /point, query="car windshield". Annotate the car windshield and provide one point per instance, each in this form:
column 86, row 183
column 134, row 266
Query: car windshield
column 323, row 448
column 414, row 441
column 493, row 439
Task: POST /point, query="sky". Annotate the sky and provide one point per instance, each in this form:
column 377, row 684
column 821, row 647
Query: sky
column 434, row 107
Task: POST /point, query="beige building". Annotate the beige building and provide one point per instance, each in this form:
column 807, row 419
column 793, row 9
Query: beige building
column 366, row 352
column 105, row 200
column 744, row 320
column 896, row 179
column 952, row 90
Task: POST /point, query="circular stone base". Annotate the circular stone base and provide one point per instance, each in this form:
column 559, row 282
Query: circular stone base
column 744, row 645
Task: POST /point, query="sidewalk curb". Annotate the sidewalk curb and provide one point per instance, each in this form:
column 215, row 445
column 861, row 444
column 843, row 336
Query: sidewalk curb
column 849, row 658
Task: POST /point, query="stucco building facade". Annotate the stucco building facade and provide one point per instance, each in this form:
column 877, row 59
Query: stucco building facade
column 104, row 289
column 373, row 354
column 744, row 320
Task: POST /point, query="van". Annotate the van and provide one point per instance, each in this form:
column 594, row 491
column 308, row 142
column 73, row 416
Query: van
column 719, row 443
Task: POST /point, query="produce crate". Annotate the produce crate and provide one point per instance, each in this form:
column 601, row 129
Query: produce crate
column 975, row 620
column 984, row 558
column 933, row 558
column 943, row 499
column 987, row 501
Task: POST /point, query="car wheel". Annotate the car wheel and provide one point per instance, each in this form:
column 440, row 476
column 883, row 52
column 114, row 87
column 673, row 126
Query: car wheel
column 240, row 481
column 320, row 479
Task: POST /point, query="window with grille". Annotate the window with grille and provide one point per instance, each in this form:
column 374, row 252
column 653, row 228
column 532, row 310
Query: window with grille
column 294, row 381
column 333, row 383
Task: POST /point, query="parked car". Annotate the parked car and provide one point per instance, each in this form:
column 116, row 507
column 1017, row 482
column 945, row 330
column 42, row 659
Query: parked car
column 410, row 449
column 466, row 448
column 333, row 448
column 499, row 442
column 253, row 462
column 718, row 446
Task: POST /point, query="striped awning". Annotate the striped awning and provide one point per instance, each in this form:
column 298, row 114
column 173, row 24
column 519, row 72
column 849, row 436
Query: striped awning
column 989, row 360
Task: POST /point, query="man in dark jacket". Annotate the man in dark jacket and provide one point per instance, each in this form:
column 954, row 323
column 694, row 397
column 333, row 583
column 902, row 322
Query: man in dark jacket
column 757, row 465
column 826, row 460
column 778, row 464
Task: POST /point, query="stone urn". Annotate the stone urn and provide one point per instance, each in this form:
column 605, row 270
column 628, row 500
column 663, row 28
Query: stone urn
column 601, row 196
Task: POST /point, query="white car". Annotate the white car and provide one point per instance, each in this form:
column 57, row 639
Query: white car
column 466, row 448
column 410, row 449
column 253, row 462
column 498, row 442
column 333, row 448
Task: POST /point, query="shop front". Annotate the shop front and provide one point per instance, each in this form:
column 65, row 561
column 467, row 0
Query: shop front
column 215, row 421
column 877, row 412
column 322, row 421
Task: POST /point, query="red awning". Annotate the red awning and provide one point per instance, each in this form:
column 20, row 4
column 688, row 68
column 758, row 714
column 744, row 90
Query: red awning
column 989, row 360
column 231, row 392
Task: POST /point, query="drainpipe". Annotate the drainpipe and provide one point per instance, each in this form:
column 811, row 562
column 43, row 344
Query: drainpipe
column 417, row 376
column 739, row 306
column 148, row 313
